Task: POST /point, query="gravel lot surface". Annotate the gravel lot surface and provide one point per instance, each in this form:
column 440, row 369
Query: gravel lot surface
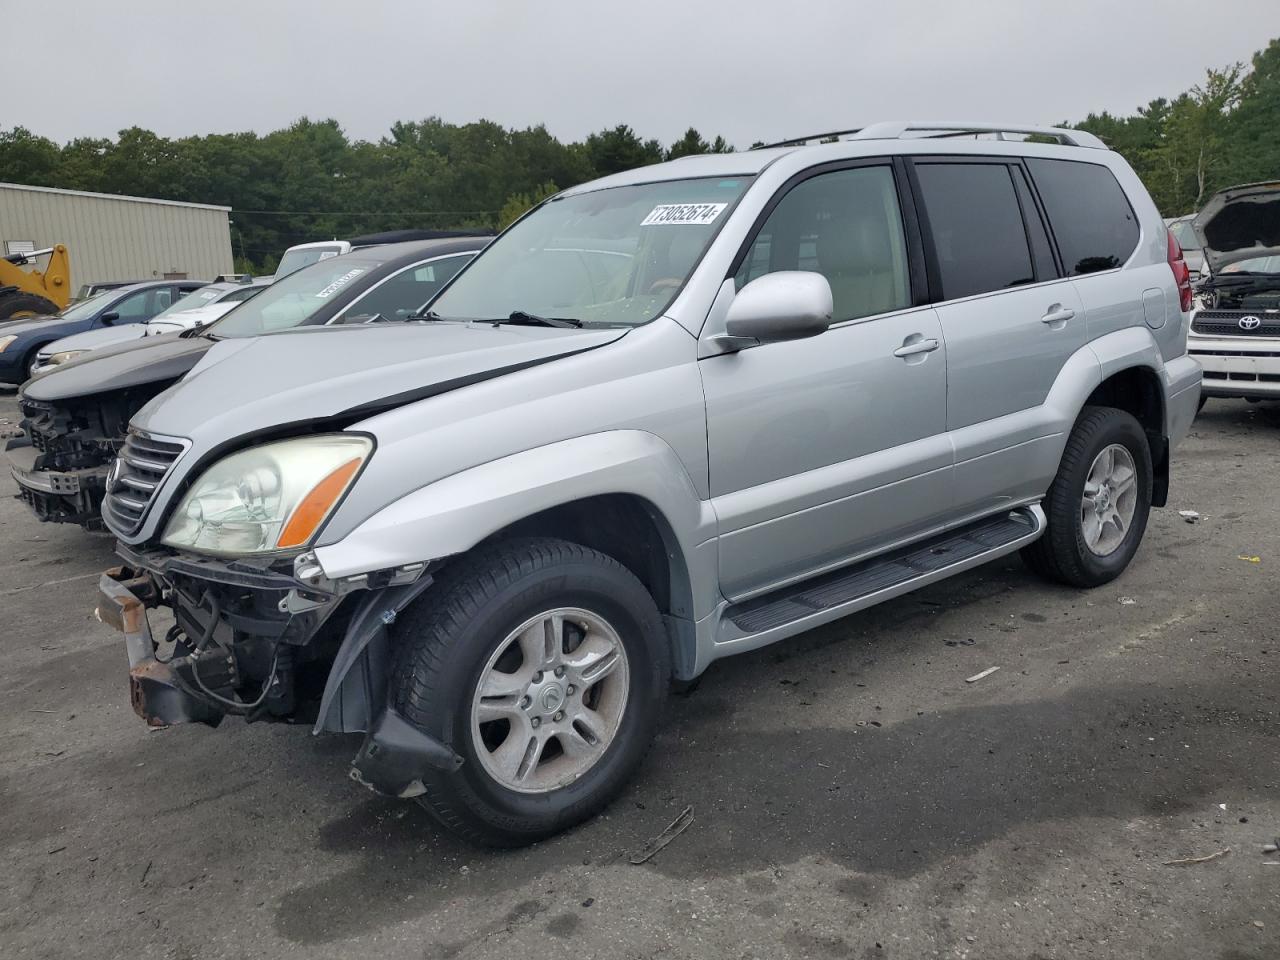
column 852, row 795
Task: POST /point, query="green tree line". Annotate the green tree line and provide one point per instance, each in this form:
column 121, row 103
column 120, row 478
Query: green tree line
column 311, row 182
column 1223, row 131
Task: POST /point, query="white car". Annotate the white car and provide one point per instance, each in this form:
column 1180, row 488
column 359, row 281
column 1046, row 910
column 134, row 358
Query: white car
column 205, row 306
column 1235, row 328
column 305, row 254
column 196, row 309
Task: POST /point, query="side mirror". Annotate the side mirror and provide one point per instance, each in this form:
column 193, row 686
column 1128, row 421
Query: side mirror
column 107, row 319
column 788, row 305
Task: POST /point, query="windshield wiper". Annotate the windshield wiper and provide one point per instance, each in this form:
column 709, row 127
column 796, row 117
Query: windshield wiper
column 533, row 320
column 428, row 315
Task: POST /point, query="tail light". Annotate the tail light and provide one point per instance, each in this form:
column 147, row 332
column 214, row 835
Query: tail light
column 1181, row 273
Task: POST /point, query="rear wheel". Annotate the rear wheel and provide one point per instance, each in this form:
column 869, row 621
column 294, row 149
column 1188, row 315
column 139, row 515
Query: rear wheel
column 1098, row 504
column 545, row 666
column 19, row 304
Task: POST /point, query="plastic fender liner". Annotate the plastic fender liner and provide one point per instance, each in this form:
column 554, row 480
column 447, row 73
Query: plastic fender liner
column 356, row 689
column 396, row 754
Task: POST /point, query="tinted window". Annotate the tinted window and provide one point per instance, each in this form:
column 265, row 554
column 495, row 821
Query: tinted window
column 1041, row 252
column 1091, row 218
column 405, row 292
column 297, row 298
column 976, row 225
column 847, row 226
column 139, row 307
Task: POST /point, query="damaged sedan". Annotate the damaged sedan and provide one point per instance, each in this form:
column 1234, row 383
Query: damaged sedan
column 75, row 415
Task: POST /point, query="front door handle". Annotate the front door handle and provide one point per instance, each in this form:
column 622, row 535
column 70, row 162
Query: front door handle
column 1058, row 314
column 916, row 347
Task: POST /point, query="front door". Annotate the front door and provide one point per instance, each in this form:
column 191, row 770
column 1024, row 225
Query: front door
column 827, row 448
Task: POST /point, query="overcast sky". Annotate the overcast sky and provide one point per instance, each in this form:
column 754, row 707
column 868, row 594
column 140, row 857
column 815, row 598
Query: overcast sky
column 747, row 69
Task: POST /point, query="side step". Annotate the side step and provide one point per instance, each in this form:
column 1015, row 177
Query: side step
column 841, row 592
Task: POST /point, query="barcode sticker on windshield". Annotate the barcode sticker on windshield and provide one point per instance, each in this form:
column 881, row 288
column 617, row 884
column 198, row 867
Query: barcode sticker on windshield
column 698, row 214
column 338, row 284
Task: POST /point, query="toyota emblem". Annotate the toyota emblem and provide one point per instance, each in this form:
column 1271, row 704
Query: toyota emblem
column 1250, row 323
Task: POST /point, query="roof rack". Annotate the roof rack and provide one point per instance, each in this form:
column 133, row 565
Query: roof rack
column 801, row 141
column 898, row 129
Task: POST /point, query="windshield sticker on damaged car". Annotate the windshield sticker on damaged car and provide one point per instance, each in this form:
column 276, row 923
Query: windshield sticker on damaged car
column 338, row 284
column 698, row 214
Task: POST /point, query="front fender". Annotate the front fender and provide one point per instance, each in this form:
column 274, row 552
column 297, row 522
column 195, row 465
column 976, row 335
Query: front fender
column 452, row 515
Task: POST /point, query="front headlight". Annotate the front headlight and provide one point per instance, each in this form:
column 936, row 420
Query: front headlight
column 268, row 498
column 5, row 341
column 64, row 355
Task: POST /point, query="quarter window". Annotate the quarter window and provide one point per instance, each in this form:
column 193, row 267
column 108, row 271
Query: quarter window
column 845, row 225
column 974, row 220
column 1091, row 218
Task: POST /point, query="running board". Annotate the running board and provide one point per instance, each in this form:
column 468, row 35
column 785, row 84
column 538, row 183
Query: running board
column 800, row 606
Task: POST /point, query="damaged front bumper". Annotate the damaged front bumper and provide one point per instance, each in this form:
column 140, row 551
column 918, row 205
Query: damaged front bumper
column 56, row 496
column 251, row 653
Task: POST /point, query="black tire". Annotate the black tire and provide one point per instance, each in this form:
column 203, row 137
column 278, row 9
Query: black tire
column 445, row 639
column 1062, row 553
column 14, row 303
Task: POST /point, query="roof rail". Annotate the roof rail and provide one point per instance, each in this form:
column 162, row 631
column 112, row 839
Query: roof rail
column 898, row 129
column 801, row 141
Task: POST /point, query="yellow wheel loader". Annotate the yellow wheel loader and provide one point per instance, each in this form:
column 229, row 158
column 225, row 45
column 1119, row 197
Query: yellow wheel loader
column 25, row 293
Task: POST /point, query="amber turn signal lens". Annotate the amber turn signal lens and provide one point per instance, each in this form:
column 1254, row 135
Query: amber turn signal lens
column 315, row 506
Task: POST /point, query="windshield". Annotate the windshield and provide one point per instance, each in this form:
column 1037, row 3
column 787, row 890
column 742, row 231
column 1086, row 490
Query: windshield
column 1186, row 236
column 196, row 298
column 292, row 301
column 1256, row 265
column 294, row 260
column 87, row 308
column 613, row 256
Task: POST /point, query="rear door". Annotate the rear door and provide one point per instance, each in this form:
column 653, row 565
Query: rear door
column 827, row 448
column 1010, row 321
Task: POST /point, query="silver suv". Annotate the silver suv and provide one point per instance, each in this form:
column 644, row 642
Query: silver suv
column 668, row 416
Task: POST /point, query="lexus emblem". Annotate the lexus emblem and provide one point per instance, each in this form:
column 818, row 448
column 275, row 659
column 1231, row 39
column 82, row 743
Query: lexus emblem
column 1250, row 323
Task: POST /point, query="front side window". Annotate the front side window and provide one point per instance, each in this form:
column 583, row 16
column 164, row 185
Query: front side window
column 975, row 223
column 405, row 292
column 1091, row 218
column 139, row 307
column 847, row 226
column 1185, row 234
column 616, row 256
column 295, row 299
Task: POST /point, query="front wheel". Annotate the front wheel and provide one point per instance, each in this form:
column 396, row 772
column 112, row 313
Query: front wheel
column 545, row 666
column 1098, row 503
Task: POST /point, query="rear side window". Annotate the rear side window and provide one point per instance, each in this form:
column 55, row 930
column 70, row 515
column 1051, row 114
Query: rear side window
column 975, row 223
column 1091, row 218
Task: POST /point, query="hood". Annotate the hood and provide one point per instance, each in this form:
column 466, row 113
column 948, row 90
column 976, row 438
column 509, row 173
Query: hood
column 42, row 322
column 1240, row 223
column 117, row 367
column 349, row 373
column 97, row 339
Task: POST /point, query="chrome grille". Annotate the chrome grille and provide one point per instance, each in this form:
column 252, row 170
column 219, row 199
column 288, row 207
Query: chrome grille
column 141, row 465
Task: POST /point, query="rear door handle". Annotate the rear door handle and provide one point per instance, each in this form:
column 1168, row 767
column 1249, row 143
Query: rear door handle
column 918, row 346
column 1058, row 314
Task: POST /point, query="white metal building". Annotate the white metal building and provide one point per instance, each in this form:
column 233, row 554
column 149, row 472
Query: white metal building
column 112, row 237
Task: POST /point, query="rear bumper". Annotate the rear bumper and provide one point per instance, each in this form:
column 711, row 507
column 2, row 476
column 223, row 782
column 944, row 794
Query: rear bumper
column 1182, row 398
column 1238, row 366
